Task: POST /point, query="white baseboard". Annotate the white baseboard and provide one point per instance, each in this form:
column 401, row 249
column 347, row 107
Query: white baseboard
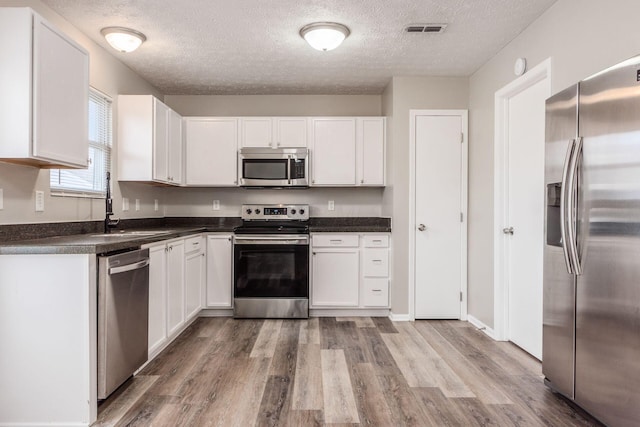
column 481, row 326
column 399, row 317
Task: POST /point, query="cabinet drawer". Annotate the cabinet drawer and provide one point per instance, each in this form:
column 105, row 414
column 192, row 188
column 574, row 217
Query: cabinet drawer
column 376, row 262
column 376, row 241
column 375, row 293
column 193, row 244
column 335, row 240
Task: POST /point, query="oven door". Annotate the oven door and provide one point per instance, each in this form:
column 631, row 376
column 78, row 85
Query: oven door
column 271, row 276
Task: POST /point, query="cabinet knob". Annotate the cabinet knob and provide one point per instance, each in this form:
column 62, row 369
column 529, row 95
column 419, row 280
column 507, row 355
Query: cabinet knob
column 422, row 227
column 362, row 181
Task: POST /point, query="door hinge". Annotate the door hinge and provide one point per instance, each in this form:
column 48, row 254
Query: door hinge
column 460, row 296
column 461, row 138
column 461, row 217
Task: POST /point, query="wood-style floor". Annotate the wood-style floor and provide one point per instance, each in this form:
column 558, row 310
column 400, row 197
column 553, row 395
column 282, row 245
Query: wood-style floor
column 344, row 371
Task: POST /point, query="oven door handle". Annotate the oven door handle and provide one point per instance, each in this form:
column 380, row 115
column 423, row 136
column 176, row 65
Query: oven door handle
column 271, row 240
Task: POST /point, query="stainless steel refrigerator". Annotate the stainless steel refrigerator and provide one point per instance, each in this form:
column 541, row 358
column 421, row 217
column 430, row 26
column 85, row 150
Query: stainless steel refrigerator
column 591, row 321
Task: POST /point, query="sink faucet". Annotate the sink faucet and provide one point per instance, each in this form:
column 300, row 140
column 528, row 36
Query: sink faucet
column 108, row 222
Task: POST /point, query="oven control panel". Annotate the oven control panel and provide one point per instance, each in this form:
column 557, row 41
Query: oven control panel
column 275, row 212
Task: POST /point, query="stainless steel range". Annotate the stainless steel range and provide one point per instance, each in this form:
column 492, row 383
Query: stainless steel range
column 271, row 262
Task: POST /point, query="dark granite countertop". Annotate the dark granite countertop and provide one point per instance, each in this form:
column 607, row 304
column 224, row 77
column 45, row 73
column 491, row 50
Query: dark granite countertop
column 86, row 238
column 350, row 225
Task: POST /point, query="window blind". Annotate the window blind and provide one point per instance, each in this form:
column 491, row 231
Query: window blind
column 90, row 182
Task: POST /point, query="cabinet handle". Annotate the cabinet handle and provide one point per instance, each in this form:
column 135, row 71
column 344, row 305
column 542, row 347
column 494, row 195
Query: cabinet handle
column 229, row 238
column 376, row 261
column 362, row 181
column 376, row 290
column 195, row 243
column 202, row 254
column 335, row 242
column 314, row 253
column 377, row 241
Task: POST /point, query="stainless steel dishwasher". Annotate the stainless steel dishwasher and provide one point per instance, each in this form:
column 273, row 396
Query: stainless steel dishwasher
column 123, row 317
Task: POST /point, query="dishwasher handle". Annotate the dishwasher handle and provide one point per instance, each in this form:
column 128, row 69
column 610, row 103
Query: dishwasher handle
column 129, row 267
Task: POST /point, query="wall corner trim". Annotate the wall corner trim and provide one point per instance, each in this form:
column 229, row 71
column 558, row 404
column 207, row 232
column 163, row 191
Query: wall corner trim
column 482, row 327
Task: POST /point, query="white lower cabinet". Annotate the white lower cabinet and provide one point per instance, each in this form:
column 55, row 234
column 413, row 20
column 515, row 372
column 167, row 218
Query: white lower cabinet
column 219, row 271
column 350, row 270
column 166, row 292
column 194, row 275
column 157, row 297
column 335, row 277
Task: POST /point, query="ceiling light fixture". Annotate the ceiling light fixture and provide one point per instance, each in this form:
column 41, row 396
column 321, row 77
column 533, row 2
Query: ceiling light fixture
column 324, row 35
column 123, row 39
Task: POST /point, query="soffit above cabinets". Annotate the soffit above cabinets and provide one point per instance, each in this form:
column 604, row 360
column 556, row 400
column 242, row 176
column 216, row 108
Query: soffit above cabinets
column 254, row 47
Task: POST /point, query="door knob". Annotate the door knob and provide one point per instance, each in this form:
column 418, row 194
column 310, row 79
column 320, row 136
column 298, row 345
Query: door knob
column 422, row 227
column 508, row 230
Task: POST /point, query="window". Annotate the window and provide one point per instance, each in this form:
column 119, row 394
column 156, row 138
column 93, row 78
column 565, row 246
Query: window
column 90, row 182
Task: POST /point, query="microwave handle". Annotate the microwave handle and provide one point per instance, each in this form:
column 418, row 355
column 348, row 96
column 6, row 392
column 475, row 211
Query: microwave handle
column 289, row 169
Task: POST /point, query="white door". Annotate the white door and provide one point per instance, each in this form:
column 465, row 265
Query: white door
column 525, row 138
column 175, row 286
column 194, row 274
column 160, row 141
column 335, row 277
column 175, row 150
column 290, row 131
column 438, row 209
column 257, row 132
column 219, row 271
column 157, row 297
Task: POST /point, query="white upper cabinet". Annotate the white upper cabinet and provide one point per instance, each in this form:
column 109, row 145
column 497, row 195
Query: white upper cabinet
column 333, row 151
column 45, row 93
column 211, row 149
column 370, row 135
column 274, row 132
column 149, row 141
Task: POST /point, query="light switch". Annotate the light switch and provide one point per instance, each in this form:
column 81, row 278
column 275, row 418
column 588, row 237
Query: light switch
column 1, row 199
column 39, row 201
column 125, row 204
column 137, row 204
column 331, row 206
column 155, row 204
column 216, row 205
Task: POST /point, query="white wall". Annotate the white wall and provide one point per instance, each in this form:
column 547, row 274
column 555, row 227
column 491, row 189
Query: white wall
column 581, row 38
column 19, row 183
column 402, row 95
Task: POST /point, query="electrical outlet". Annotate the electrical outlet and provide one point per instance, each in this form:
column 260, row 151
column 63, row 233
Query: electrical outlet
column 137, row 204
column 155, row 204
column 1, row 199
column 125, row 204
column 216, row 205
column 331, row 206
column 39, row 201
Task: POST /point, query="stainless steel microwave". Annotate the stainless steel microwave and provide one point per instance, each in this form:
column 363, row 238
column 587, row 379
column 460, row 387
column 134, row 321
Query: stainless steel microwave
column 273, row 167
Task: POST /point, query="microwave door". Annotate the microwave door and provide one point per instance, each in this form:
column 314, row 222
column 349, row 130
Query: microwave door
column 265, row 172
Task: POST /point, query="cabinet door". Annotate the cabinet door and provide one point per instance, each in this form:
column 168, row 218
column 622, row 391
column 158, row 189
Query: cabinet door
column 335, row 279
column 290, row 131
column 371, row 153
column 194, row 278
column 175, row 147
column 61, row 97
column 257, row 132
column 333, row 151
column 157, row 297
column 211, row 152
column 219, row 271
column 160, row 141
column 175, row 286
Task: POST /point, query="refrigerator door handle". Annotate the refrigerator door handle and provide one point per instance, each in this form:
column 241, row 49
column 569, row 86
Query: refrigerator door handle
column 564, row 208
column 571, row 208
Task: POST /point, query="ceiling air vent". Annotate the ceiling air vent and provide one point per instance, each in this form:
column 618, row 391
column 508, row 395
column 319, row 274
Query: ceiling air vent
column 426, row 28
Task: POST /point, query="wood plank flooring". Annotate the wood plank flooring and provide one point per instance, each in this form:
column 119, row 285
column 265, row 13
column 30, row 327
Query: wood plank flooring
column 338, row 372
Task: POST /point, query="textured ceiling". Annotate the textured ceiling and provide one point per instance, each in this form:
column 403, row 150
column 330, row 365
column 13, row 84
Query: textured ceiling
column 253, row 46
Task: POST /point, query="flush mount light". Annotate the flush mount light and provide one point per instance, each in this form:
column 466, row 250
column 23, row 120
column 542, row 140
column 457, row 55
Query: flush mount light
column 123, row 39
column 324, row 35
